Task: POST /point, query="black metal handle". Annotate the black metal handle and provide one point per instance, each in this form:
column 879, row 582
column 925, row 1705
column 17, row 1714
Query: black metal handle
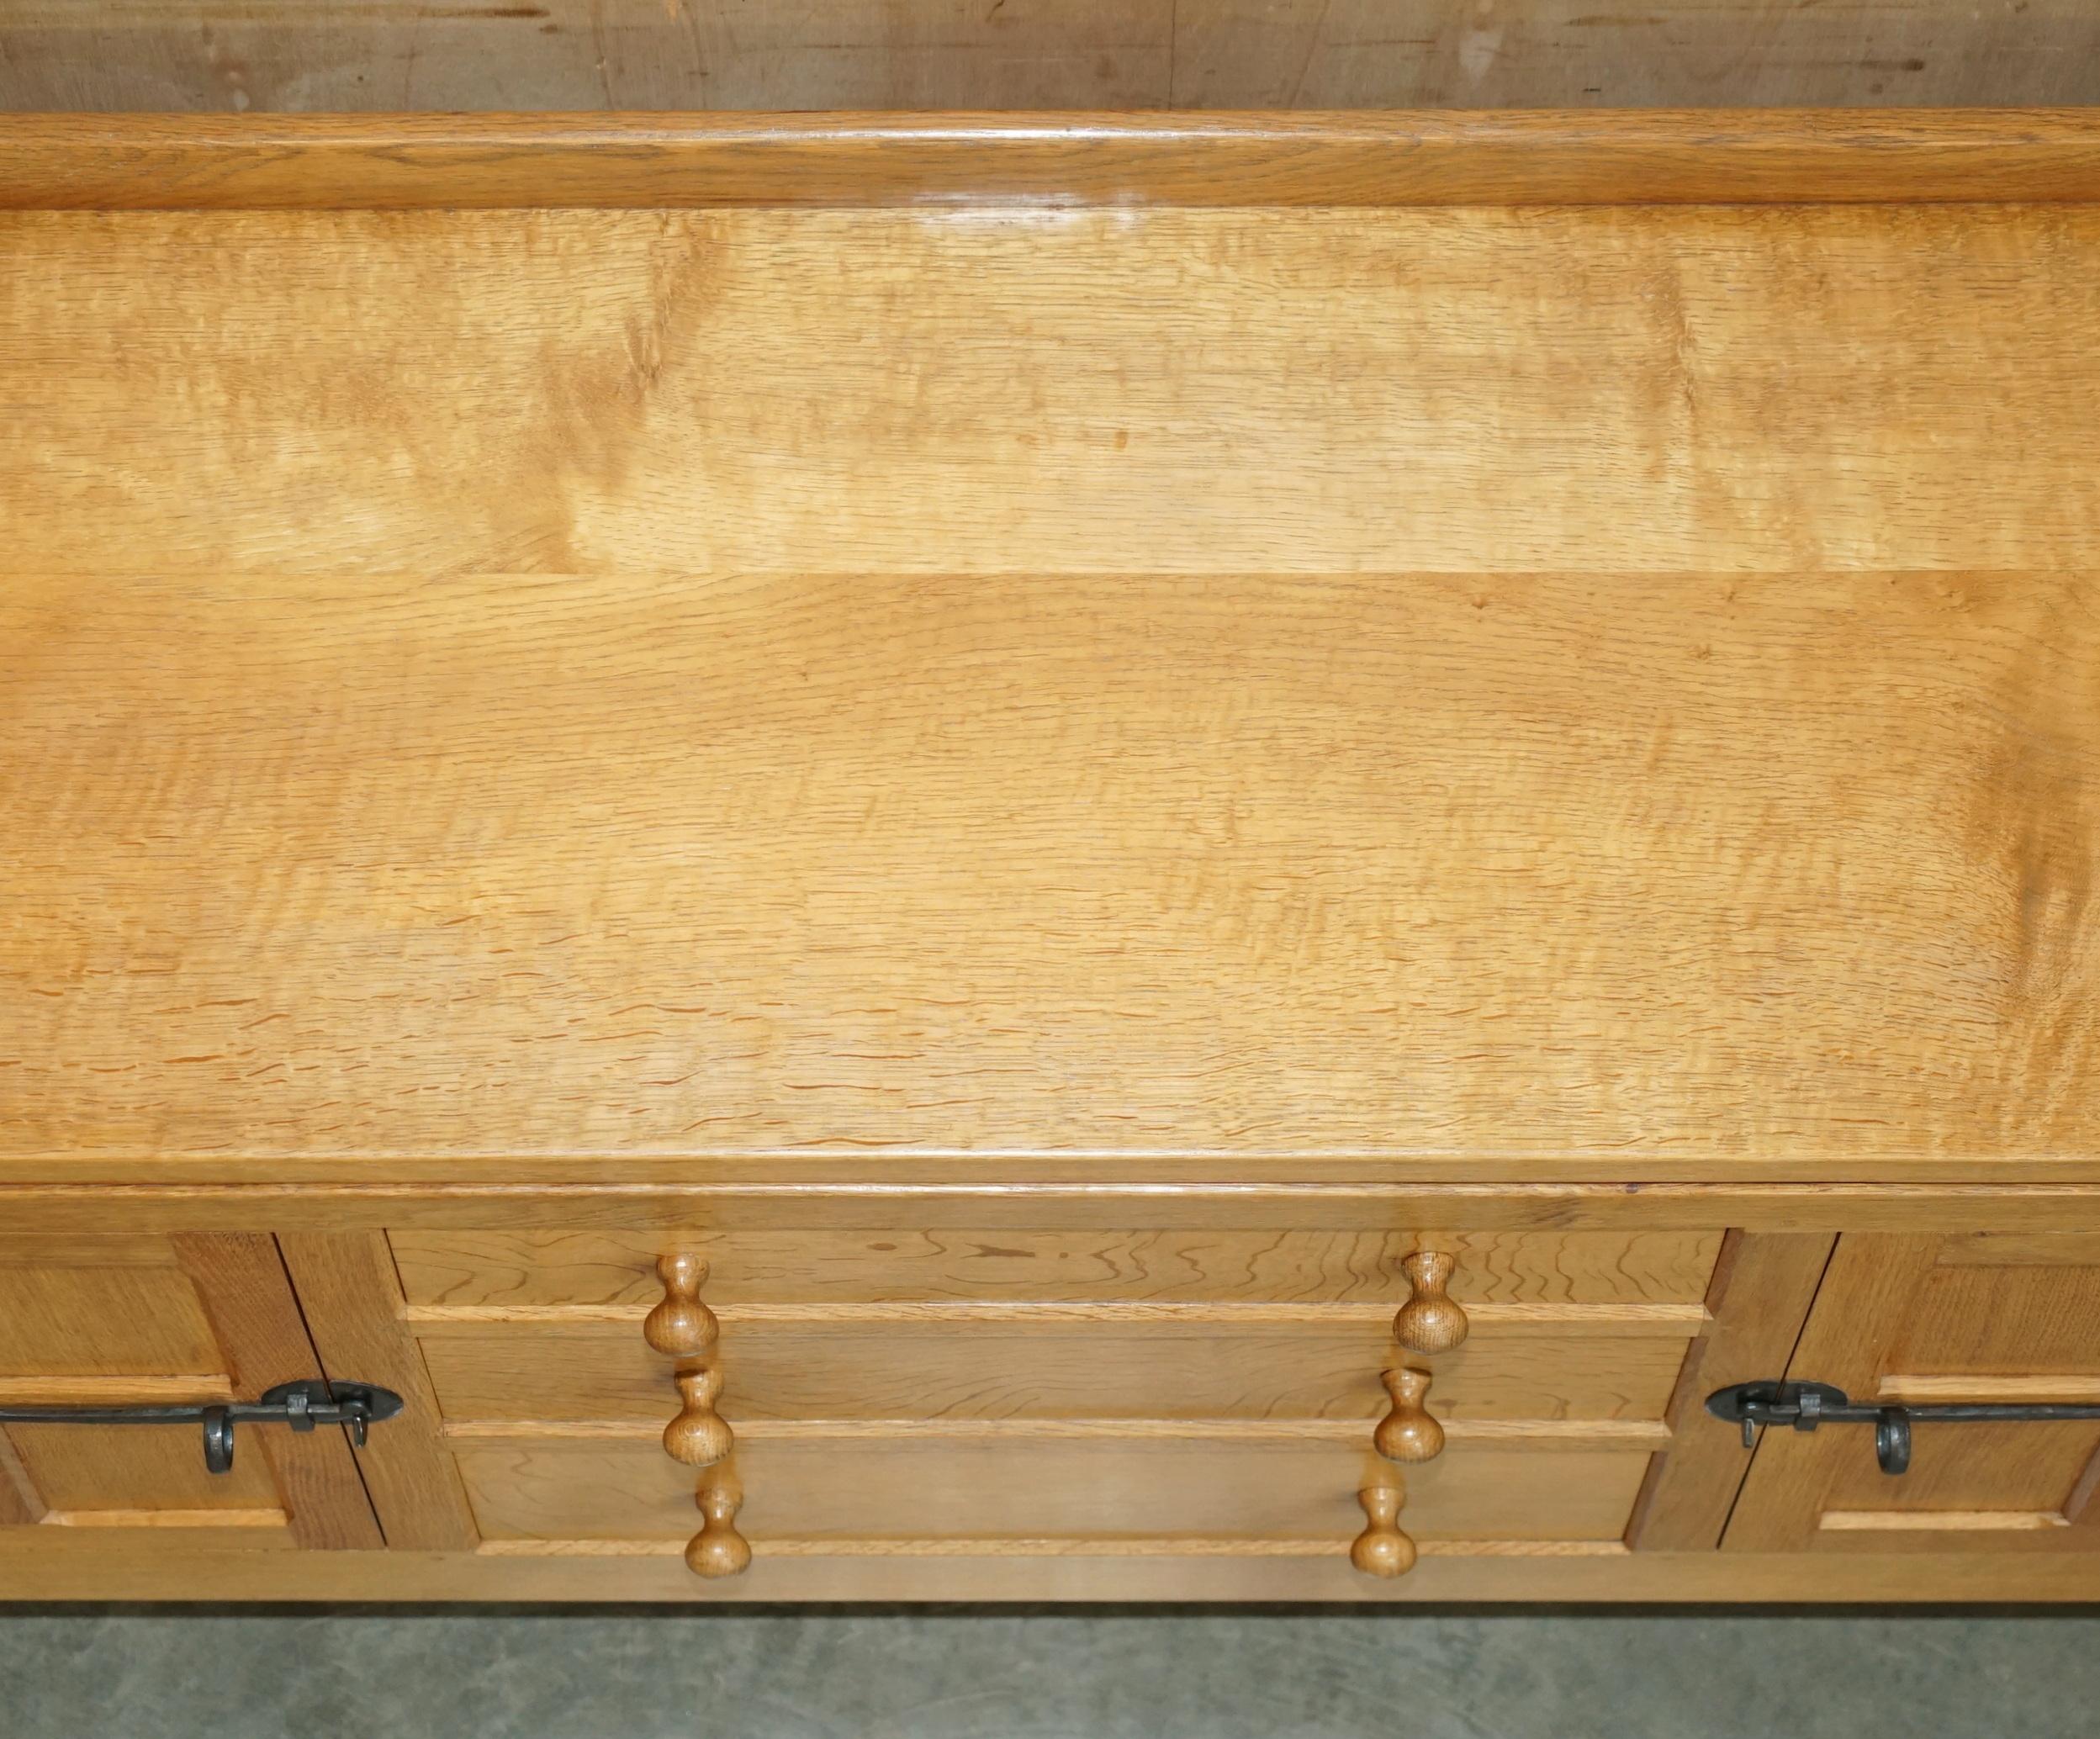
column 1805, row 1406
column 300, row 1405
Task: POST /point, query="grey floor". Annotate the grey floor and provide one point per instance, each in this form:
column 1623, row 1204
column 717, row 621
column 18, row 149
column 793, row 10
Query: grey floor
column 1098, row 1676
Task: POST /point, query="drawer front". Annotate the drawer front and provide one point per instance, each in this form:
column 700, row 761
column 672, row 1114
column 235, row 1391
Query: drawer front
column 613, row 1269
column 1105, row 1367
column 1201, row 1495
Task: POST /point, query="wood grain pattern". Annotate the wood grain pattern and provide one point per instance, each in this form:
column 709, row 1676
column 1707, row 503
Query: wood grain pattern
column 708, row 939
column 914, row 1490
column 853, row 1194
column 241, row 1283
column 843, row 1370
column 353, row 1302
column 252, row 57
column 1555, row 1433
column 66, row 1564
column 1762, row 1292
column 88, row 162
column 1887, row 1306
column 904, row 1263
column 20, row 1502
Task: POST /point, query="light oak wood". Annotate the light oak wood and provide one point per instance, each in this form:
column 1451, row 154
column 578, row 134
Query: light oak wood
column 241, row 1282
column 1095, row 1369
column 352, row 1303
column 1762, row 1291
column 1150, row 687
column 69, row 1564
column 1223, row 1194
column 697, row 1436
column 909, row 1489
column 904, row 1263
column 681, row 1326
column 57, row 1321
column 1550, row 1433
column 1429, row 1322
column 257, row 56
column 1889, row 1306
column 718, row 1549
column 1866, row 660
column 1408, row 1433
column 1381, row 1550
column 60, row 162
column 20, row 1502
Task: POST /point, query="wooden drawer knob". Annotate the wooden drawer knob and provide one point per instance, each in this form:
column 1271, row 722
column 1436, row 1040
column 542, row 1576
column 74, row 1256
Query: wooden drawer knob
column 718, row 1549
column 1382, row 1549
column 1429, row 1322
column 699, row 1436
column 1408, row 1433
column 682, row 1326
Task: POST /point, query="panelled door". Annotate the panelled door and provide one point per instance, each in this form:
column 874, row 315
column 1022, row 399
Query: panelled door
column 131, row 1321
column 1980, row 1316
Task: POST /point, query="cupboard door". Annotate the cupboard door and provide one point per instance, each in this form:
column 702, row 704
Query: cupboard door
column 136, row 1321
column 1977, row 1317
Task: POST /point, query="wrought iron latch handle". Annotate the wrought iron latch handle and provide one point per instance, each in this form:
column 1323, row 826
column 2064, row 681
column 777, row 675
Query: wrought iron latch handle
column 1805, row 1406
column 300, row 1405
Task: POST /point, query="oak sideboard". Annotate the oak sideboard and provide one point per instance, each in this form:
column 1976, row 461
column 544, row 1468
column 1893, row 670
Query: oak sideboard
column 1333, row 857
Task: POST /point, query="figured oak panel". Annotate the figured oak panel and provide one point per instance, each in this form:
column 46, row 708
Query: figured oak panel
column 903, row 1264
column 1016, row 390
column 910, row 865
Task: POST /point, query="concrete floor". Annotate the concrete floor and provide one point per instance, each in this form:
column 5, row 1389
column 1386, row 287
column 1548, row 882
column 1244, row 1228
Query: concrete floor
column 981, row 1675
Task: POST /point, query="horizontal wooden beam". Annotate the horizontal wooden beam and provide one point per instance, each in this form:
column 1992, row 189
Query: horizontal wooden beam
column 1652, row 156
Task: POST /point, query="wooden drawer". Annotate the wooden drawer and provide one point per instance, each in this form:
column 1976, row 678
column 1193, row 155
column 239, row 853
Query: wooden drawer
column 615, row 1270
column 1194, row 1491
column 1106, row 1364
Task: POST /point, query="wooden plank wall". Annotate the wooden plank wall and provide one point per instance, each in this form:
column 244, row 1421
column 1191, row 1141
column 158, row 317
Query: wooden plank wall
column 409, row 54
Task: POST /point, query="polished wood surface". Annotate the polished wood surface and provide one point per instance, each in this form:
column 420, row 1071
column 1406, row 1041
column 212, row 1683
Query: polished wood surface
column 1761, row 1292
column 718, row 1549
column 911, row 1489
column 58, row 1564
column 352, row 1303
column 905, row 1263
column 681, row 1326
column 1508, row 157
column 1107, row 1365
column 128, row 1320
column 1583, row 1048
column 1408, row 1432
column 698, row 1436
column 257, row 56
column 1381, row 1550
column 1890, row 1321
column 1431, row 1321
column 1077, row 810
column 241, row 1283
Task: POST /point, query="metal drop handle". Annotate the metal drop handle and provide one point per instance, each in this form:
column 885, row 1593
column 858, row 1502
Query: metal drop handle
column 1807, row 1406
column 300, row 1405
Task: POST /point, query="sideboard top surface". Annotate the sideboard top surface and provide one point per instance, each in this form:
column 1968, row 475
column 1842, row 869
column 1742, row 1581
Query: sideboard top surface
column 1584, row 690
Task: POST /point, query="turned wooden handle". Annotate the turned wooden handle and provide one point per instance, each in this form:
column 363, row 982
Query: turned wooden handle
column 1382, row 1549
column 682, row 1326
column 718, row 1549
column 1429, row 1322
column 699, row 1436
column 1408, row 1433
